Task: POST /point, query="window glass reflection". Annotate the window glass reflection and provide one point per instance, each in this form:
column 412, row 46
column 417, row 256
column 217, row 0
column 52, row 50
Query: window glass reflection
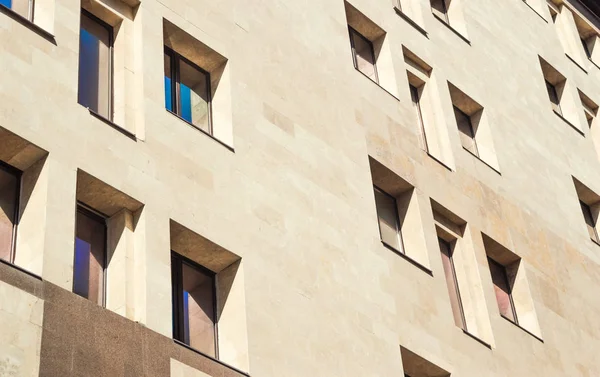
column 9, row 185
column 90, row 256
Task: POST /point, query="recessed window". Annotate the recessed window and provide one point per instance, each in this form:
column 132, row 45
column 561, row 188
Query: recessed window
column 447, row 250
column 589, row 203
column 95, row 65
column 415, row 96
column 417, row 366
column 363, row 55
column 554, row 98
column 187, row 90
column 194, row 305
column 502, row 289
column 389, row 223
column 588, row 216
column 9, row 199
column 90, row 255
column 22, row 7
column 466, row 131
column 590, row 109
column 440, row 9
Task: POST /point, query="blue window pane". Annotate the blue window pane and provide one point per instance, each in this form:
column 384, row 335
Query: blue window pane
column 168, row 94
column 6, row 3
column 81, row 269
column 186, row 102
column 186, row 317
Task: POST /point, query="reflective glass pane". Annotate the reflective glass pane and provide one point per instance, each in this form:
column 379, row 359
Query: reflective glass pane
column 465, row 128
column 198, row 309
column 194, row 95
column 168, row 84
column 501, row 289
column 8, row 203
column 363, row 53
column 94, row 66
column 90, row 254
column 387, row 214
column 451, row 282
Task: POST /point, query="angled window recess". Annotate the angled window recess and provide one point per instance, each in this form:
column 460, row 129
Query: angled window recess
column 23, row 182
column 473, row 127
column 590, row 111
column 462, row 276
column 589, row 204
column 107, row 68
column 429, row 124
column 38, row 12
column 588, row 30
column 197, row 84
column 511, row 287
column 371, row 53
column 450, row 12
column 415, row 365
column 399, row 216
column 208, row 297
column 411, row 11
column 574, row 33
column 559, row 93
column 104, row 242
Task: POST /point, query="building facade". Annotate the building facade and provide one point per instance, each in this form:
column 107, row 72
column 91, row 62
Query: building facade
column 195, row 188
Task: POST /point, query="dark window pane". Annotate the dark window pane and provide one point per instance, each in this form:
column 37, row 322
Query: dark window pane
column 502, row 289
column 168, row 84
column 387, row 214
column 554, row 100
column 364, row 56
column 416, row 101
column 589, row 221
column 194, row 95
column 465, row 128
column 438, row 7
column 451, row 282
column 198, row 309
column 586, row 48
column 8, row 202
column 90, row 254
column 94, row 66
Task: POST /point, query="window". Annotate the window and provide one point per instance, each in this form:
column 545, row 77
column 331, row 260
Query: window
column 21, row 7
column 95, row 65
column 187, row 90
column 440, row 9
column 465, row 128
column 589, row 221
column 554, row 99
column 9, row 199
column 417, row 366
column 446, row 249
column 416, row 101
column 590, row 110
column 90, row 255
column 389, row 224
column 502, row 290
column 586, row 48
column 363, row 55
column 194, row 305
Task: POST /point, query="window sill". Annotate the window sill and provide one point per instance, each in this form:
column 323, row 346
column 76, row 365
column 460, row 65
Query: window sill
column 485, row 163
column 522, row 328
column 594, row 63
column 567, row 122
column 486, row 344
column 211, row 358
column 410, row 21
column 376, row 83
column 201, row 130
column 28, row 24
column 438, row 161
column 409, row 259
column 594, row 241
column 113, row 125
column 452, row 29
column 19, row 268
column 577, row 64
column 535, row 11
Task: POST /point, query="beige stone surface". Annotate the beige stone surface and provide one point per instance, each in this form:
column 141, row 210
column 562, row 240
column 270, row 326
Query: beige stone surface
column 320, row 294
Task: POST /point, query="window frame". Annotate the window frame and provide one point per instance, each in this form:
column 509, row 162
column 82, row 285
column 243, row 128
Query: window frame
column 352, row 31
column 449, row 246
column 396, row 216
column 510, row 295
column 18, row 174
column 174, row 60
column 416, row 99
column 471, row 130
column 111, row 73
column 177, row 261
column 99, row 217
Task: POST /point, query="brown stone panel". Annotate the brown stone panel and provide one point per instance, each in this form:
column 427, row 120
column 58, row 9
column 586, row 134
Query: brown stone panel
column 82, row 339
